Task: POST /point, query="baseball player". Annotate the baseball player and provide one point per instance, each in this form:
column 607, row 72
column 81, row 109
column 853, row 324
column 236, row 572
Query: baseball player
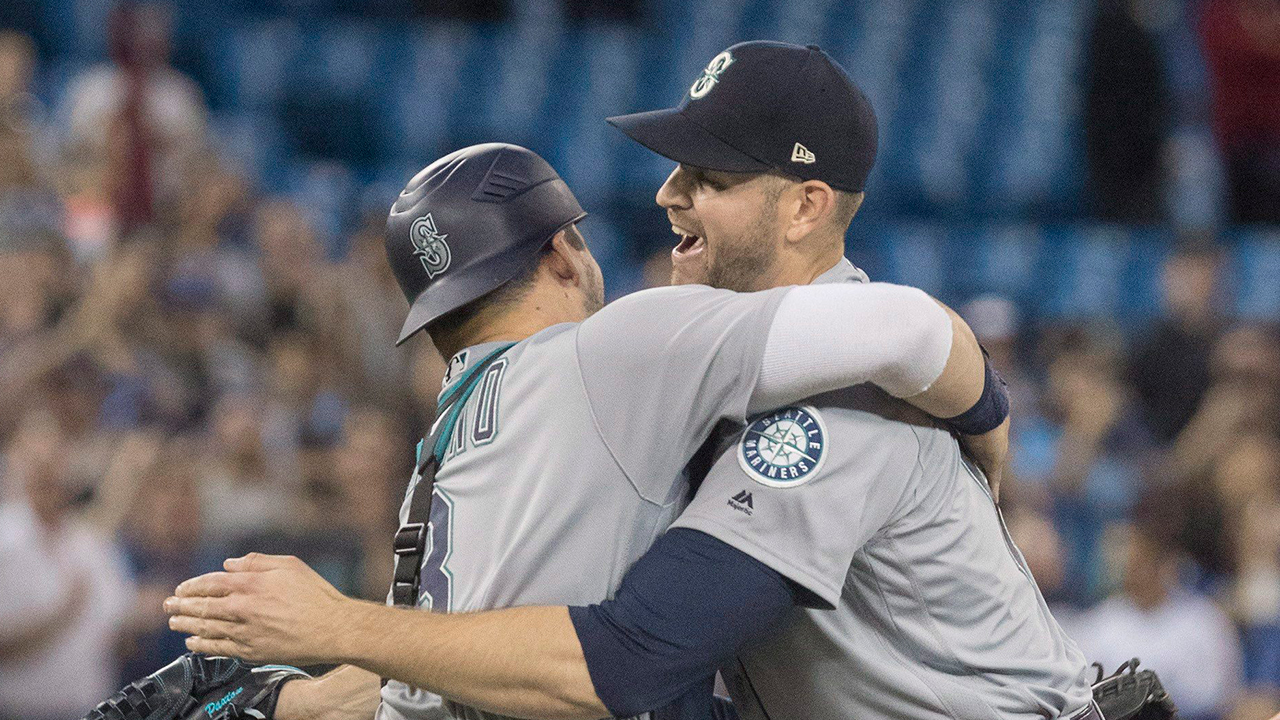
column 877, row 555
column 935, row 614
column 562, row 441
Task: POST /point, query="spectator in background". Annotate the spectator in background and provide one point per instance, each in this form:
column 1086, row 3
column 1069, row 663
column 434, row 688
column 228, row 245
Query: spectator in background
column 1041, row 546
column 67, row 588
column 370, row 312
column 299, row 280
column 1169, row 368
column 34, row 279
column 1184, row 636
column 1242, row 399
column 995, row 320
column 17, row 62
column 1242, row 48
column 1126, row 116
column 1256, row 593
column 369, row 465
column 243, row 473
column 138, row 112
column 163, row 532
column 1081, row 460
column 211, row 242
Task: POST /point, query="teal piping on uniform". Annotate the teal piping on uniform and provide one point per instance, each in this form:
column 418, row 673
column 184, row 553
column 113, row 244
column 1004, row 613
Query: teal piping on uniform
column 461, row 390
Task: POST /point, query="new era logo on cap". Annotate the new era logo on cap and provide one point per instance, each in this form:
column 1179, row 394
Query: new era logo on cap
column 801, row 154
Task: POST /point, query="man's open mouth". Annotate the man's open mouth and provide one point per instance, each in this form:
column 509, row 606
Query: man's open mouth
column 689, row 244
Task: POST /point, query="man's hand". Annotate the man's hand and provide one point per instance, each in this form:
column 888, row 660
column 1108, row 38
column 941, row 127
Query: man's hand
column 264, row 608
column 990, row 451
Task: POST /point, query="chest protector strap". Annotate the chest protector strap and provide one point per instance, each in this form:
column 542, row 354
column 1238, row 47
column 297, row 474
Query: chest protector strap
column 411, row 538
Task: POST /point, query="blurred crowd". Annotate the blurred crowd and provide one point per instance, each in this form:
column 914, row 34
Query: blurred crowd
column 189, row 372
column 186, row 375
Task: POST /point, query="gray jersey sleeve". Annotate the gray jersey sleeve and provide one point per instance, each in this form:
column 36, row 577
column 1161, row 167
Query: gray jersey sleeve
column 661, row 367
column 805, row 487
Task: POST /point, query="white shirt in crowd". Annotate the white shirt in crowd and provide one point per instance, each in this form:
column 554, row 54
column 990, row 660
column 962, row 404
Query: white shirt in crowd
column 1188, row 641
column 76, row 668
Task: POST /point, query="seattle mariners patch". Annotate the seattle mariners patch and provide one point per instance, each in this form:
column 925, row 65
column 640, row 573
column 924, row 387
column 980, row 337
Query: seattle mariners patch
column 784, row 448
column 429, row 245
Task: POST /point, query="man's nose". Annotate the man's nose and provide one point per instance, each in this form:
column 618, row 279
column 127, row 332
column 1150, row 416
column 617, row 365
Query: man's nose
column 674, row 193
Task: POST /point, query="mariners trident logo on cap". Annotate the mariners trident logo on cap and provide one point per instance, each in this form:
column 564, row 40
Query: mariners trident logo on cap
column 711, row 75
column 429, row 245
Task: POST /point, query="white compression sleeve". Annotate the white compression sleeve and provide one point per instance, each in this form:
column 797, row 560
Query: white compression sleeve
column 825, row 337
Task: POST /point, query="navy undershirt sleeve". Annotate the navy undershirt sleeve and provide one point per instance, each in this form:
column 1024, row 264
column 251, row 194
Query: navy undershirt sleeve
column 682, row 610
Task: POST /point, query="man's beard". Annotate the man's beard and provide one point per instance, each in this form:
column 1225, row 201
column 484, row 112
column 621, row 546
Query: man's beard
column 593, row 295
column 749, row 265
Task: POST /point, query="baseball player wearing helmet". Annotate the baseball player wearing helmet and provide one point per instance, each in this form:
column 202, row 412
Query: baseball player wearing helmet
column 881, row 581
column 566, row 458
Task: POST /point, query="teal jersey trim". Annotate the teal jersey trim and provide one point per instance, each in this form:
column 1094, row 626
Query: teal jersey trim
column 462, row 390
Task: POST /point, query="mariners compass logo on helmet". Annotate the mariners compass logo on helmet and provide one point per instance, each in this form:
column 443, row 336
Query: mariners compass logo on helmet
column 429, row 245
column 784, row 448
column 711, row 75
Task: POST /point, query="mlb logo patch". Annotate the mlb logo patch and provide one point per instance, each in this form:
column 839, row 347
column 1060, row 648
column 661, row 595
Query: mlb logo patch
column 456, row 365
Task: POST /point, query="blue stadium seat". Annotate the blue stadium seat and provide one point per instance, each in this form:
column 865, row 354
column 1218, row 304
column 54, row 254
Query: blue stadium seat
column 77, row 29
column 254, row 141
column 325, row 190
column 1091, row 267
column 586, row 150
column 1038, row 137
column 1257, row 273
column 256, row 56
column 421, row 93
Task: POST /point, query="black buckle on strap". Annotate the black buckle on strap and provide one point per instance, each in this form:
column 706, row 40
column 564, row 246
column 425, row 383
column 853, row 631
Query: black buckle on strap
column 404, row 593
column 411, row 538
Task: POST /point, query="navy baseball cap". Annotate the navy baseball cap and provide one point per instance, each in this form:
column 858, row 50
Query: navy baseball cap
column 764, row 105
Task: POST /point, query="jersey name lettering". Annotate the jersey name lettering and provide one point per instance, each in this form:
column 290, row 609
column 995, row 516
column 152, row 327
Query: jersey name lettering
column 478, row 420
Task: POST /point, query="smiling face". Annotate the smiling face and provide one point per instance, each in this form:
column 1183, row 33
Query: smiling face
column 728, row 224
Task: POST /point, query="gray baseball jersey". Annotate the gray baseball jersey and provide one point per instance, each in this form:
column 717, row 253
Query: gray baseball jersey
column 864, row 502
column 567, row 461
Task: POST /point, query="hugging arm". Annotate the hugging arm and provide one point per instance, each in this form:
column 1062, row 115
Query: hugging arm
column 825, row 337
column 682, row 609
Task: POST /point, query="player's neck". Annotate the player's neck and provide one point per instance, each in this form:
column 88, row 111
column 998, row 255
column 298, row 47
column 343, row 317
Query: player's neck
column 536, row 312
column 806, row 264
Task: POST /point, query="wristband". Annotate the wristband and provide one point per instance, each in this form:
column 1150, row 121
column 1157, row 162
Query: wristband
column 991, row 409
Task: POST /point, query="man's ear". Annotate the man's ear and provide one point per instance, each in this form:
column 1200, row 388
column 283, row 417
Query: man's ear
column 560, row 260
column 815, row 201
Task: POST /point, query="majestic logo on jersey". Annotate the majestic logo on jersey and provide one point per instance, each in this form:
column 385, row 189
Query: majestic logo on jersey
column 429, row 245
column 742, row 503
column 784, row 448
column 711, row 75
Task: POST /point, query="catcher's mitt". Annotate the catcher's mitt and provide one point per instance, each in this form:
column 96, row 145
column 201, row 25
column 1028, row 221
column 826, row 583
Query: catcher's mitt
column 1130, row 694
column 200, row 687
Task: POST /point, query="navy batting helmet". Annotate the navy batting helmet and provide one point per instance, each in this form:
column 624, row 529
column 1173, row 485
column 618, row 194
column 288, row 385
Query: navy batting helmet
column 470, row 222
